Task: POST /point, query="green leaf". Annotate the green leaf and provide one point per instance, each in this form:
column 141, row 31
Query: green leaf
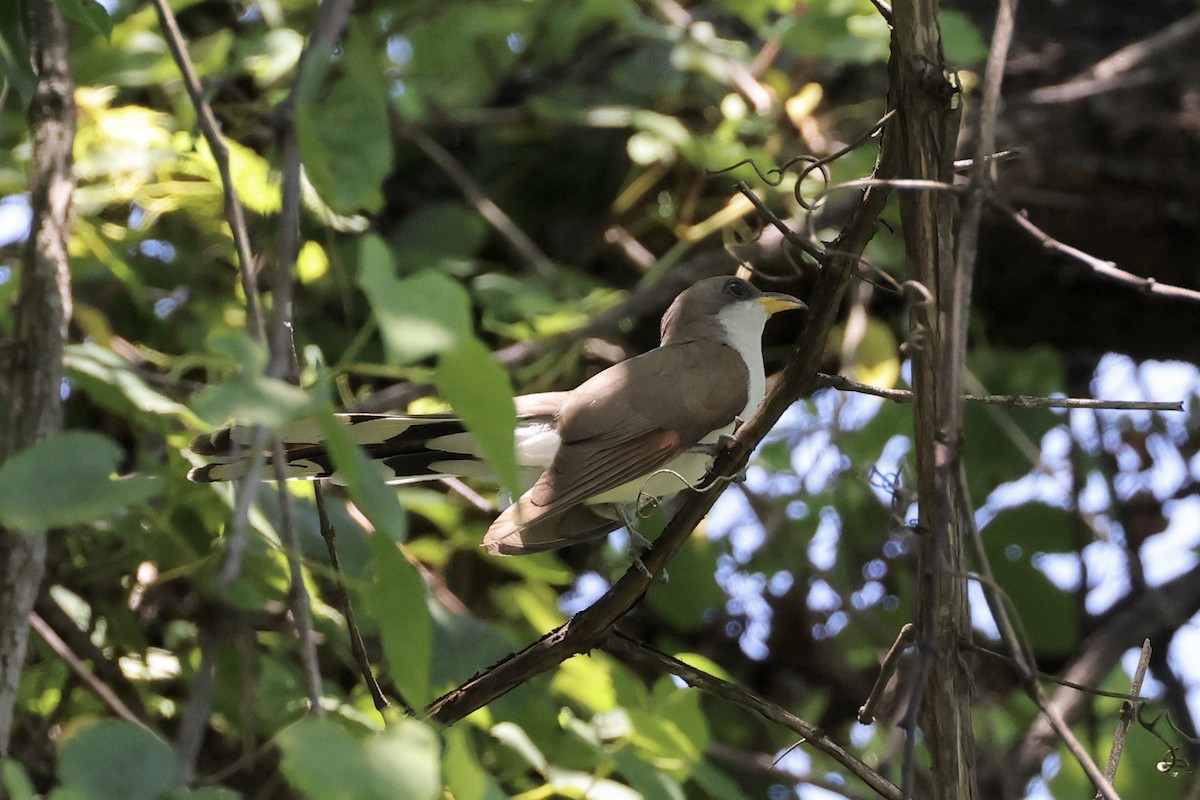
column 442, row 234
column 67, row 478
column 419, row 316
column 464, row 644
column 90, row 14
column 14, row 55
column 344, row 139
column 323, row 761
column 961, row 38
column 398, row 601
column 207, row 793
column 108, row 378
column 118, row 760
column 685, row 600
column 478, row 388
column 715, row 783
column 250, row 398
column 648, row 780
column 15, row 780
column 1049, row 615
column 465, row 778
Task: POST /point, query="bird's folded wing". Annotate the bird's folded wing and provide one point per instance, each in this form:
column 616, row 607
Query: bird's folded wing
column 618, row 429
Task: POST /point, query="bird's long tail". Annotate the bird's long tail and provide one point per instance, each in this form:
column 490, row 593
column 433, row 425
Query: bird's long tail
column 408, row 449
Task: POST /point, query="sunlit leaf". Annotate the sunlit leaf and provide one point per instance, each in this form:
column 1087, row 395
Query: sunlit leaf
column 67, row 478
column 89, row 363
column 249, row 398
column 15, row 780
column 875, row 359
column 321, row 759
column 311, row 262
column 479, row 390
column 419, row 316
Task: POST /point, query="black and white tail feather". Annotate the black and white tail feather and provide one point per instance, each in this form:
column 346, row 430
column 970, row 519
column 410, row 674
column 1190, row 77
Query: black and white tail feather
column 409, row 448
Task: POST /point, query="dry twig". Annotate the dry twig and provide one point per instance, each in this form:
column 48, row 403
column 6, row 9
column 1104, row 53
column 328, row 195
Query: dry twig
column 82, row 671
column 1128, row 714
column 866, row 713
column 1116, row 71
column 1011, row 400
column 622, row 645
column 1105, row 269
column 329, row 534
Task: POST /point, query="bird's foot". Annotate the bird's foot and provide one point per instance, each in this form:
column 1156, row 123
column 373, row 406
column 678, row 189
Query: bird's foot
column 638, row 545
column 641, row 567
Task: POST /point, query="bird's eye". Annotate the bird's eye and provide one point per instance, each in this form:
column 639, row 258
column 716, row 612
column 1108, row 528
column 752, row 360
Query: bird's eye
column 737, row 288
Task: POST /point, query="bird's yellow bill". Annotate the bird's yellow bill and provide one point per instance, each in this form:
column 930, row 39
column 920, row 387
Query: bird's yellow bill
column 775, row 302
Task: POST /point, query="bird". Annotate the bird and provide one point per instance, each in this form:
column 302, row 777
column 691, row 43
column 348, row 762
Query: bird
column 593, row 457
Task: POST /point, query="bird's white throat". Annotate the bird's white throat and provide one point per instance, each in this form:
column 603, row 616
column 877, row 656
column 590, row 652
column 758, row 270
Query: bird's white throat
column 743, row 324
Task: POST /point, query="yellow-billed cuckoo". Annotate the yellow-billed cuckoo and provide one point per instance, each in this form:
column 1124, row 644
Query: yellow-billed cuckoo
column 639, row 431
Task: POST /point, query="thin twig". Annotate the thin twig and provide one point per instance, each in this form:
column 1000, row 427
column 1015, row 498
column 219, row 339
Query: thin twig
column 622, row 645
column 793, row 238
column 517, row 239
column 866, row 713
column 1045, row 676
column 298, row 598
column 1011, row 400
column 245, row 498
column 745, row 763
column 235, row 537
column 1128, row 713
column 329, row 534
column 196, row 714
column 211, row 129
column 314, row 61
column 1105, row 269
column 82, row 671
column 964, row 165
column 1113, row 71
column 1022, row 658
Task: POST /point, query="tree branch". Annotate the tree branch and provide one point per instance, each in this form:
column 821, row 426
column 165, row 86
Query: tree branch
column 40, row 321
column 1011, row 400
column 926, row 130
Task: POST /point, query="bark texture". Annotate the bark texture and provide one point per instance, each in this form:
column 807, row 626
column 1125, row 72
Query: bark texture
column 42, row 315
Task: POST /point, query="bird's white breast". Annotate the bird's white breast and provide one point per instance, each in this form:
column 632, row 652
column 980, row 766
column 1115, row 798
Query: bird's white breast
column 743, row 324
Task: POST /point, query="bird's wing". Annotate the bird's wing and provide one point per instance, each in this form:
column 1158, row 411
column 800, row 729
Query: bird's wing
column 617, row 427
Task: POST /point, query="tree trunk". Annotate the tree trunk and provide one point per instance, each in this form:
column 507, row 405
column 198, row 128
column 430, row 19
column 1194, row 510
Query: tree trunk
column 42, row 314
column 926, row 130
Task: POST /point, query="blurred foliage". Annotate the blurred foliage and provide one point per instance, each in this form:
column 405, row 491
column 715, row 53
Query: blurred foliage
column 588, row 123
